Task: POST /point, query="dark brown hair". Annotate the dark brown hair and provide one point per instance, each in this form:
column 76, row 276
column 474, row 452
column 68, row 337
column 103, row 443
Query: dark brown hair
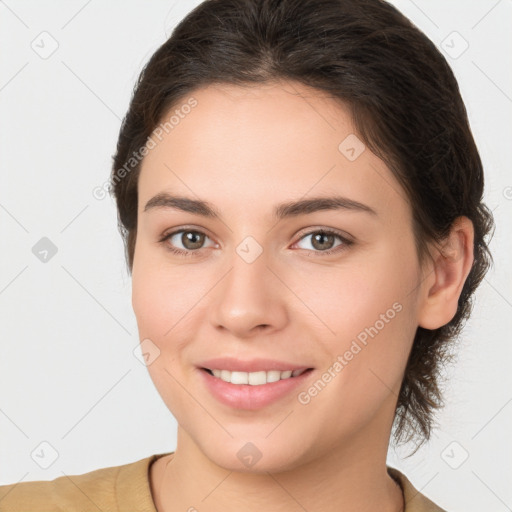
column 405, row 104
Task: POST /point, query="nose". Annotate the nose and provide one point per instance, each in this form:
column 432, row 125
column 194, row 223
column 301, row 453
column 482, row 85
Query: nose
column 249, row 299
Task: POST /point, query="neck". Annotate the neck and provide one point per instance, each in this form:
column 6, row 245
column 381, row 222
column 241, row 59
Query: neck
column 349, row 478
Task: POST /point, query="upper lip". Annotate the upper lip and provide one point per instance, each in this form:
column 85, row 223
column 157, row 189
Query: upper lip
column 253, row 365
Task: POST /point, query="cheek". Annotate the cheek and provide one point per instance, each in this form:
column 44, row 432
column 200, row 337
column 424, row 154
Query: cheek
column 163, row 297
column 353, row 296
column 369, row 311
column 363, row 363
column 151, row 305
column 162, row 300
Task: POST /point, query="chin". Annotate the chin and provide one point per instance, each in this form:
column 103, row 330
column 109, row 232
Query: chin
column 256, row 457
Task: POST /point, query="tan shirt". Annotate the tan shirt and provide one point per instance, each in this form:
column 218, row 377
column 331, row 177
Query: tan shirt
column 126, row 488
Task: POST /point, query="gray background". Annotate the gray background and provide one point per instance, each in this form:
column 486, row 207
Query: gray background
column 74, row 395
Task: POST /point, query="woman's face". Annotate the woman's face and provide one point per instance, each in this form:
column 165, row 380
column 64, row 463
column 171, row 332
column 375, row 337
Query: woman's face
column 260, row 281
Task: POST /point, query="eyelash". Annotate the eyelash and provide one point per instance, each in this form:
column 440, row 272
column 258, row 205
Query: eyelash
column 339, row 248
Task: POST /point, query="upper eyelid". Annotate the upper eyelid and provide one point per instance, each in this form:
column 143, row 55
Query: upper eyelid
column 334, row 231
column 173, row 232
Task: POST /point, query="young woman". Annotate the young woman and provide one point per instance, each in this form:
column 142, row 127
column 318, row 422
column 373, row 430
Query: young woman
column 301, row 199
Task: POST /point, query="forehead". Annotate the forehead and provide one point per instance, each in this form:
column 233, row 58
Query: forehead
column 262, row 144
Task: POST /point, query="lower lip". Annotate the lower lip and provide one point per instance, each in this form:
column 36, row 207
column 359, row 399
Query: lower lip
column 245, row 396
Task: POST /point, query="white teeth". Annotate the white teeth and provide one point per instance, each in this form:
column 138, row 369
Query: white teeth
column 255, row 378
column 239, row 378
column 273, row 376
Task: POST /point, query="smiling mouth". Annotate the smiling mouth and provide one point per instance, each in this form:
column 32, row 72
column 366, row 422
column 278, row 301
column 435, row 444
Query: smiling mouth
column 255, row 378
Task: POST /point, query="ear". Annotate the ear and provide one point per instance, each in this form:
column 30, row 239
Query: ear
column 447, row 274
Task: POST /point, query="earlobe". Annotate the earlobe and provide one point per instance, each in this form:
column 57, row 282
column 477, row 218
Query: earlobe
column 451, row 265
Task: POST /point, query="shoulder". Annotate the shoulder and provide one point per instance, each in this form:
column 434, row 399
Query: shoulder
column 414, row 500
column 69, row 492
column 105, row 489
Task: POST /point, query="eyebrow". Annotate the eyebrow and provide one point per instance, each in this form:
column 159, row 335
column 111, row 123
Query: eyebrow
column 281, row 211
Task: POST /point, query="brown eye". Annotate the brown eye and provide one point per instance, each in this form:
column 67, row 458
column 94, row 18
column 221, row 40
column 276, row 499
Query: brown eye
column 323, row 241
column 192, row 239
column 186, row 241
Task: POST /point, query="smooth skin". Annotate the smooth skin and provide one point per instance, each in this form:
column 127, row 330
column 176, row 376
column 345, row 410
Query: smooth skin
column 245, row 150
